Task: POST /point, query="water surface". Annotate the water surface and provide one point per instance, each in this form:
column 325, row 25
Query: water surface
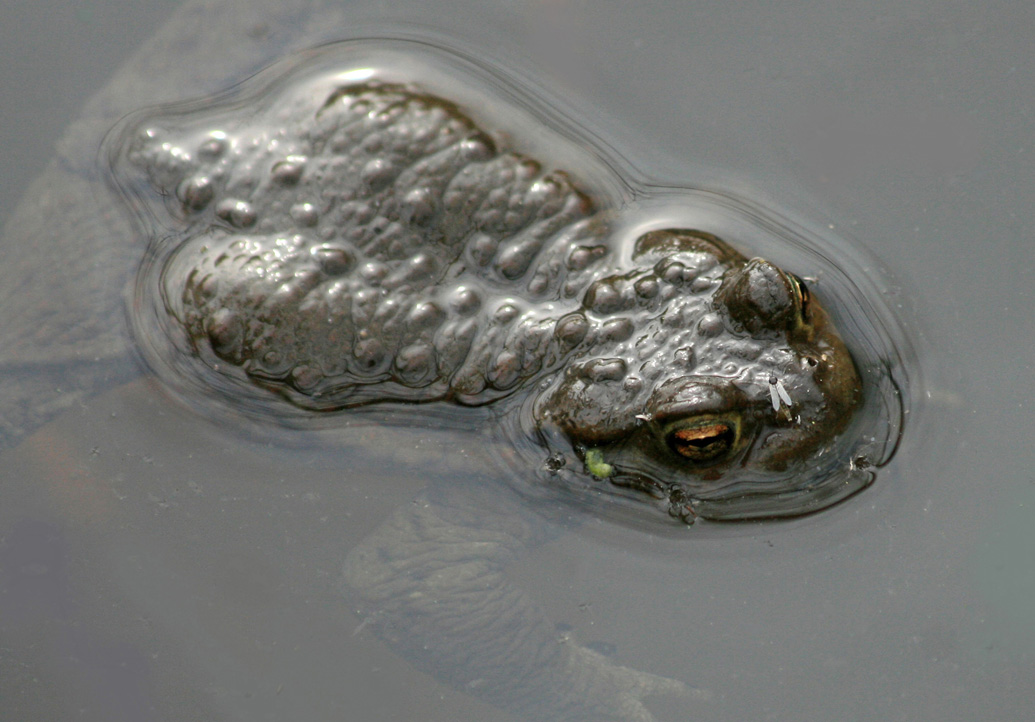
column 158, row 567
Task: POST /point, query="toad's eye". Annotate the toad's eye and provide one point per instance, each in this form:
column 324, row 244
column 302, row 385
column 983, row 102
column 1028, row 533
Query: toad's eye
column 702, row 441
column 802, row 292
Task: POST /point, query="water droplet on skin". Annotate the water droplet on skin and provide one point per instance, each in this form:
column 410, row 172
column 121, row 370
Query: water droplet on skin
column 288, row 172
column 582, row 256
column 224, row 331
column 603, row 298
column 237, row 213
column 426, row 317
column 418, row 206
column 506, row 370
column 710, row 326
column 214, row 147
column 600, row 370
column 196, row 193
column 670, row 271
column 377, row 173
column 571, row 330
column 616, row 329
column 646, row 287
column 373, row 272
column 305, row 215
column 333, row 261
column 415, row 362
column 506, row 313
column 465, row 301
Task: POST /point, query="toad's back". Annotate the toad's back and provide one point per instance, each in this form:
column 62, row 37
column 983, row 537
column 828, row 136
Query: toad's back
column 386, row 241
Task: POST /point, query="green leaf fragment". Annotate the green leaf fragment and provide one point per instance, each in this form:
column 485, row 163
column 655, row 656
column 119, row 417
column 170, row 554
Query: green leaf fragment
column 596, row 464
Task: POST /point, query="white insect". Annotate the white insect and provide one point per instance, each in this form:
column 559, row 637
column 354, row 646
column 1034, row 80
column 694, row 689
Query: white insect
column 778, row 393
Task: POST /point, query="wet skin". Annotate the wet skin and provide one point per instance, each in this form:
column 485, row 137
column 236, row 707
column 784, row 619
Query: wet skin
column 385, row 248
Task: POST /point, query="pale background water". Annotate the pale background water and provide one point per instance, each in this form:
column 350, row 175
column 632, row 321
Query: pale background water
column 152, row 568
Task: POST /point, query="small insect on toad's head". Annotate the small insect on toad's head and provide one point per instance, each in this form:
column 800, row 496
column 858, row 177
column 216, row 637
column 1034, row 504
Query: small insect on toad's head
column 729, row 396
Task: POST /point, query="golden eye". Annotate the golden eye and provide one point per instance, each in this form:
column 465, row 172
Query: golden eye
column 702, row 442
column 802, row 292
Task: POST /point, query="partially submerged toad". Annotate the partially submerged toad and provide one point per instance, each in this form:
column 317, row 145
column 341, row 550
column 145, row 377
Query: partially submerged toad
column 380, row 246
column 327, row 243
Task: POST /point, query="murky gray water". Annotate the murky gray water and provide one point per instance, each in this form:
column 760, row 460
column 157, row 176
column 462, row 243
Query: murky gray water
column 155, row 566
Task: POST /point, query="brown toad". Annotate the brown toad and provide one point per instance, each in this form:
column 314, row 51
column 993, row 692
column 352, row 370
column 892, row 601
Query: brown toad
column 385, row 248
